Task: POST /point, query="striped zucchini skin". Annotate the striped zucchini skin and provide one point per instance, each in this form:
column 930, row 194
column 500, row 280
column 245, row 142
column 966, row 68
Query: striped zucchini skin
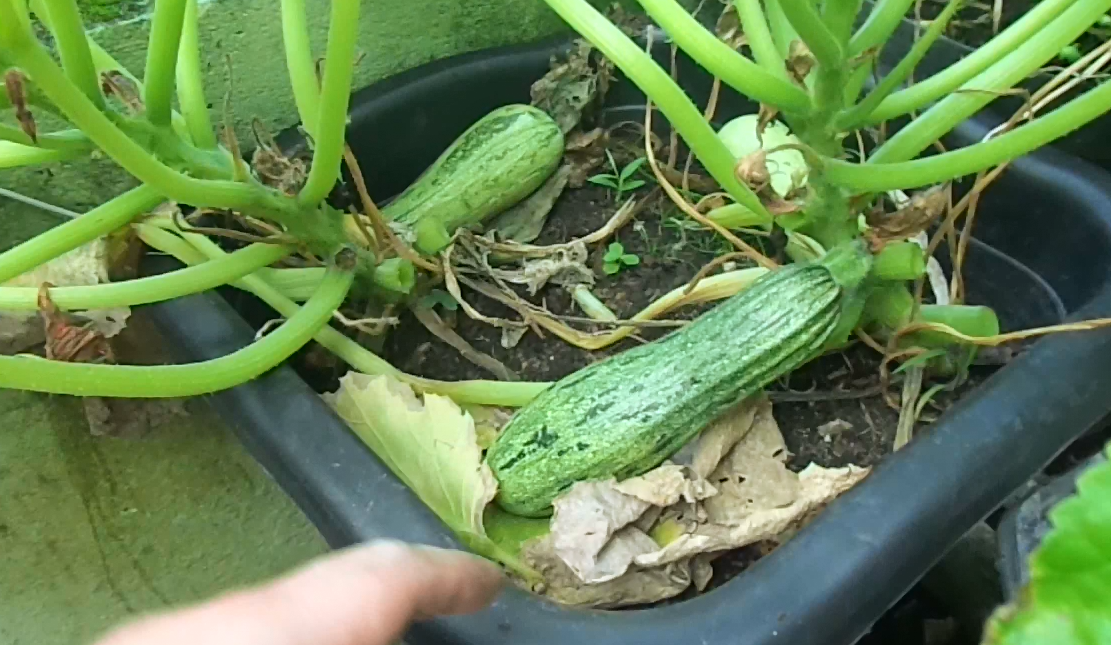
column 497, row 162
column 625, row 415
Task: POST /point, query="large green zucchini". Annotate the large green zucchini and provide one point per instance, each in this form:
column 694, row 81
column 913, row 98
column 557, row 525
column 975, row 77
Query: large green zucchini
column 625, row 415
column 497, row 162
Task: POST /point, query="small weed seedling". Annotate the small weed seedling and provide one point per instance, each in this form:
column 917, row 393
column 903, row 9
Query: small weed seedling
column 616, row 259
column 621, row 181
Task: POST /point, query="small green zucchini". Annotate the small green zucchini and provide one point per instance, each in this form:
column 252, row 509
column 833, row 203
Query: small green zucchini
column 497, row 162
column 625, row 415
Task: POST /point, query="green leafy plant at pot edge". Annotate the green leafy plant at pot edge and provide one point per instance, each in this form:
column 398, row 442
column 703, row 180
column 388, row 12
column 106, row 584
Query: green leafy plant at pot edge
column 1068, row 598
column 810, row 67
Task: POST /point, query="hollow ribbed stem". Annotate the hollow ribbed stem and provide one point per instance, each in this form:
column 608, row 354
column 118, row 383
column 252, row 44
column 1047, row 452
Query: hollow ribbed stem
column 190, row 82
column 814, row 32
column 123, row 150
column 782, row 32
column 68, row 236
column 157, row 288
column 167, row 381
column 880, row 24
column 14, row 155
column 295, row 284
column 664, row 92
column 759, row 36
column 876, row 177
column 64, row 140
column 73, row 48
column 839, row 16
column 335, row 90
column 165, row 37
column 510, row 394
column 299, row 61
column 1045, row 20
column 855, row 116
column 722, row 61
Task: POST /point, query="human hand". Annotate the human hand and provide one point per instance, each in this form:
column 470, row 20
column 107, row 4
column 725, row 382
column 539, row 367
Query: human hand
column 364, row 595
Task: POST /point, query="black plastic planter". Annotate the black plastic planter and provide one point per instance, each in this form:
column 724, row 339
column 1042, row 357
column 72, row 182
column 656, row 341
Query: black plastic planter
column 1087, row 142
column 1050, row 214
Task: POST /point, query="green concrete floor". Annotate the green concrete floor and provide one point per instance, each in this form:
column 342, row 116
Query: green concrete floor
column 94, row 530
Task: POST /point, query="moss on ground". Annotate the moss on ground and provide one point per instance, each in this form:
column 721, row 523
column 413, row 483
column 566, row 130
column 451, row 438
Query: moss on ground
column 98, row 12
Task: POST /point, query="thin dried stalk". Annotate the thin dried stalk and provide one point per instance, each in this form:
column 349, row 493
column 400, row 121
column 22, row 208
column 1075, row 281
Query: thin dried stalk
column 619, row 219
column 912, row 387
column 687, row 208
column 378, row 221
column 433, row 323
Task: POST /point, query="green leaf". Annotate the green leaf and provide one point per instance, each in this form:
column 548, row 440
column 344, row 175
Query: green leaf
column 630, row 259
column 633, row 166
column 611, row 268
column 632, row 185
column 614, row 252
column 431, row 445
column 1068, row 598
column 603, row 180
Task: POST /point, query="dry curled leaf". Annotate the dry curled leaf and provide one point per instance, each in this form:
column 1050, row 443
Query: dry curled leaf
column 799, row 62
column 917, row 215
column 650, row 537
column 14, row 86
column 83, row 266
column 116, row 84
column 68, row 338
column 572, row 85
column 583, row 153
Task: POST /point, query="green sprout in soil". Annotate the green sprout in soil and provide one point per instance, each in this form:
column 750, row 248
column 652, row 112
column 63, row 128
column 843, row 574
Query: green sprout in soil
column 617, row 259
column 620, row 181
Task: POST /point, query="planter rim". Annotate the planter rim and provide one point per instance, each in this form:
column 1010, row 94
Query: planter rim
column 825, row 586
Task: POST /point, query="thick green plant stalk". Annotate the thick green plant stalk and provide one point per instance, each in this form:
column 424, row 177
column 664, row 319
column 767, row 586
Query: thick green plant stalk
column 200, row 249
column 162, row 54
column 815, row 33
column 335, row 90
column 80, row 111
column 883, row 20
column 876, row 177
column 14, row 155
column 68, row 236
column 190, row 82
column 782, row 32
column 655, row 82
column 840, row 15
column 854, row 117
column 299, row 61
column 734, row 69
column 64, row 140
column 73, row 48
column 35, row 374
column 1005, row 60
column 760, row 38
column 152, row 289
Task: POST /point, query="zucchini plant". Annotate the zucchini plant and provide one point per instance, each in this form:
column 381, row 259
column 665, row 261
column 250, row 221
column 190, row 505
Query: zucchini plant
column 179, row 159
column 625, row 415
